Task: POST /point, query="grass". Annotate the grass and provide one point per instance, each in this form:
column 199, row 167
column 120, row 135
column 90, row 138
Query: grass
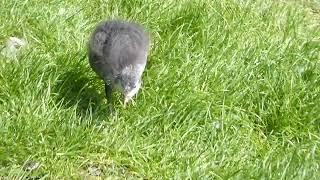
column 232, row 90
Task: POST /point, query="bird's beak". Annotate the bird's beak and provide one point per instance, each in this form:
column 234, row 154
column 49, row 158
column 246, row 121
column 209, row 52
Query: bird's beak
column 126, row 100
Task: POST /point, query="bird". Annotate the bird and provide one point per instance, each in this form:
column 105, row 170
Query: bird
column 118, row 52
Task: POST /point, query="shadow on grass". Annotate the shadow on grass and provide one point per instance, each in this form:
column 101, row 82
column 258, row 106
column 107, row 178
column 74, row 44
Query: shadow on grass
column 77, row 90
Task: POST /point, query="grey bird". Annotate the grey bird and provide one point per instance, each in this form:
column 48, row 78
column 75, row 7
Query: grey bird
column 118, row 53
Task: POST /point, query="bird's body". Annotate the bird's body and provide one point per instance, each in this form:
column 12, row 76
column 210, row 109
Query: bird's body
column 118, row 54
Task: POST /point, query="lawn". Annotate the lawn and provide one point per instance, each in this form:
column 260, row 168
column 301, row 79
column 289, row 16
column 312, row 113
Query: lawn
column 231, row 90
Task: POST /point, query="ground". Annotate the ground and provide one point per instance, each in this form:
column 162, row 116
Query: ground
column 231, row 90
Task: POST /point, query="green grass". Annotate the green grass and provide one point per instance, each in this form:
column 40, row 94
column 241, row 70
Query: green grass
column 231, row 90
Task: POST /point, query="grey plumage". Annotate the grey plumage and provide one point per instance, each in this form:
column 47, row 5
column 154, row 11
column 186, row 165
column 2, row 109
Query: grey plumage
column 118, row 54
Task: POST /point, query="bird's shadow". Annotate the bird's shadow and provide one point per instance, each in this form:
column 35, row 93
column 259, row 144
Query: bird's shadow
column 75, row 89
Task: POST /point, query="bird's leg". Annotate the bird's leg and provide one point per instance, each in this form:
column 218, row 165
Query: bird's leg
column 108, row 90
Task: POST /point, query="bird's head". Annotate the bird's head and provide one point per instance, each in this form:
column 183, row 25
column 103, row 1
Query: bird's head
column 130, row 89
column 130, row 82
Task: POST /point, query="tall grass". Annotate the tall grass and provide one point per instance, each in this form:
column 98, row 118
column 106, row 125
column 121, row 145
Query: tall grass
column 231, row 90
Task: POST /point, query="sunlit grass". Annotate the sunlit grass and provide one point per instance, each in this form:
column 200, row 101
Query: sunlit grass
column 231, row 90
